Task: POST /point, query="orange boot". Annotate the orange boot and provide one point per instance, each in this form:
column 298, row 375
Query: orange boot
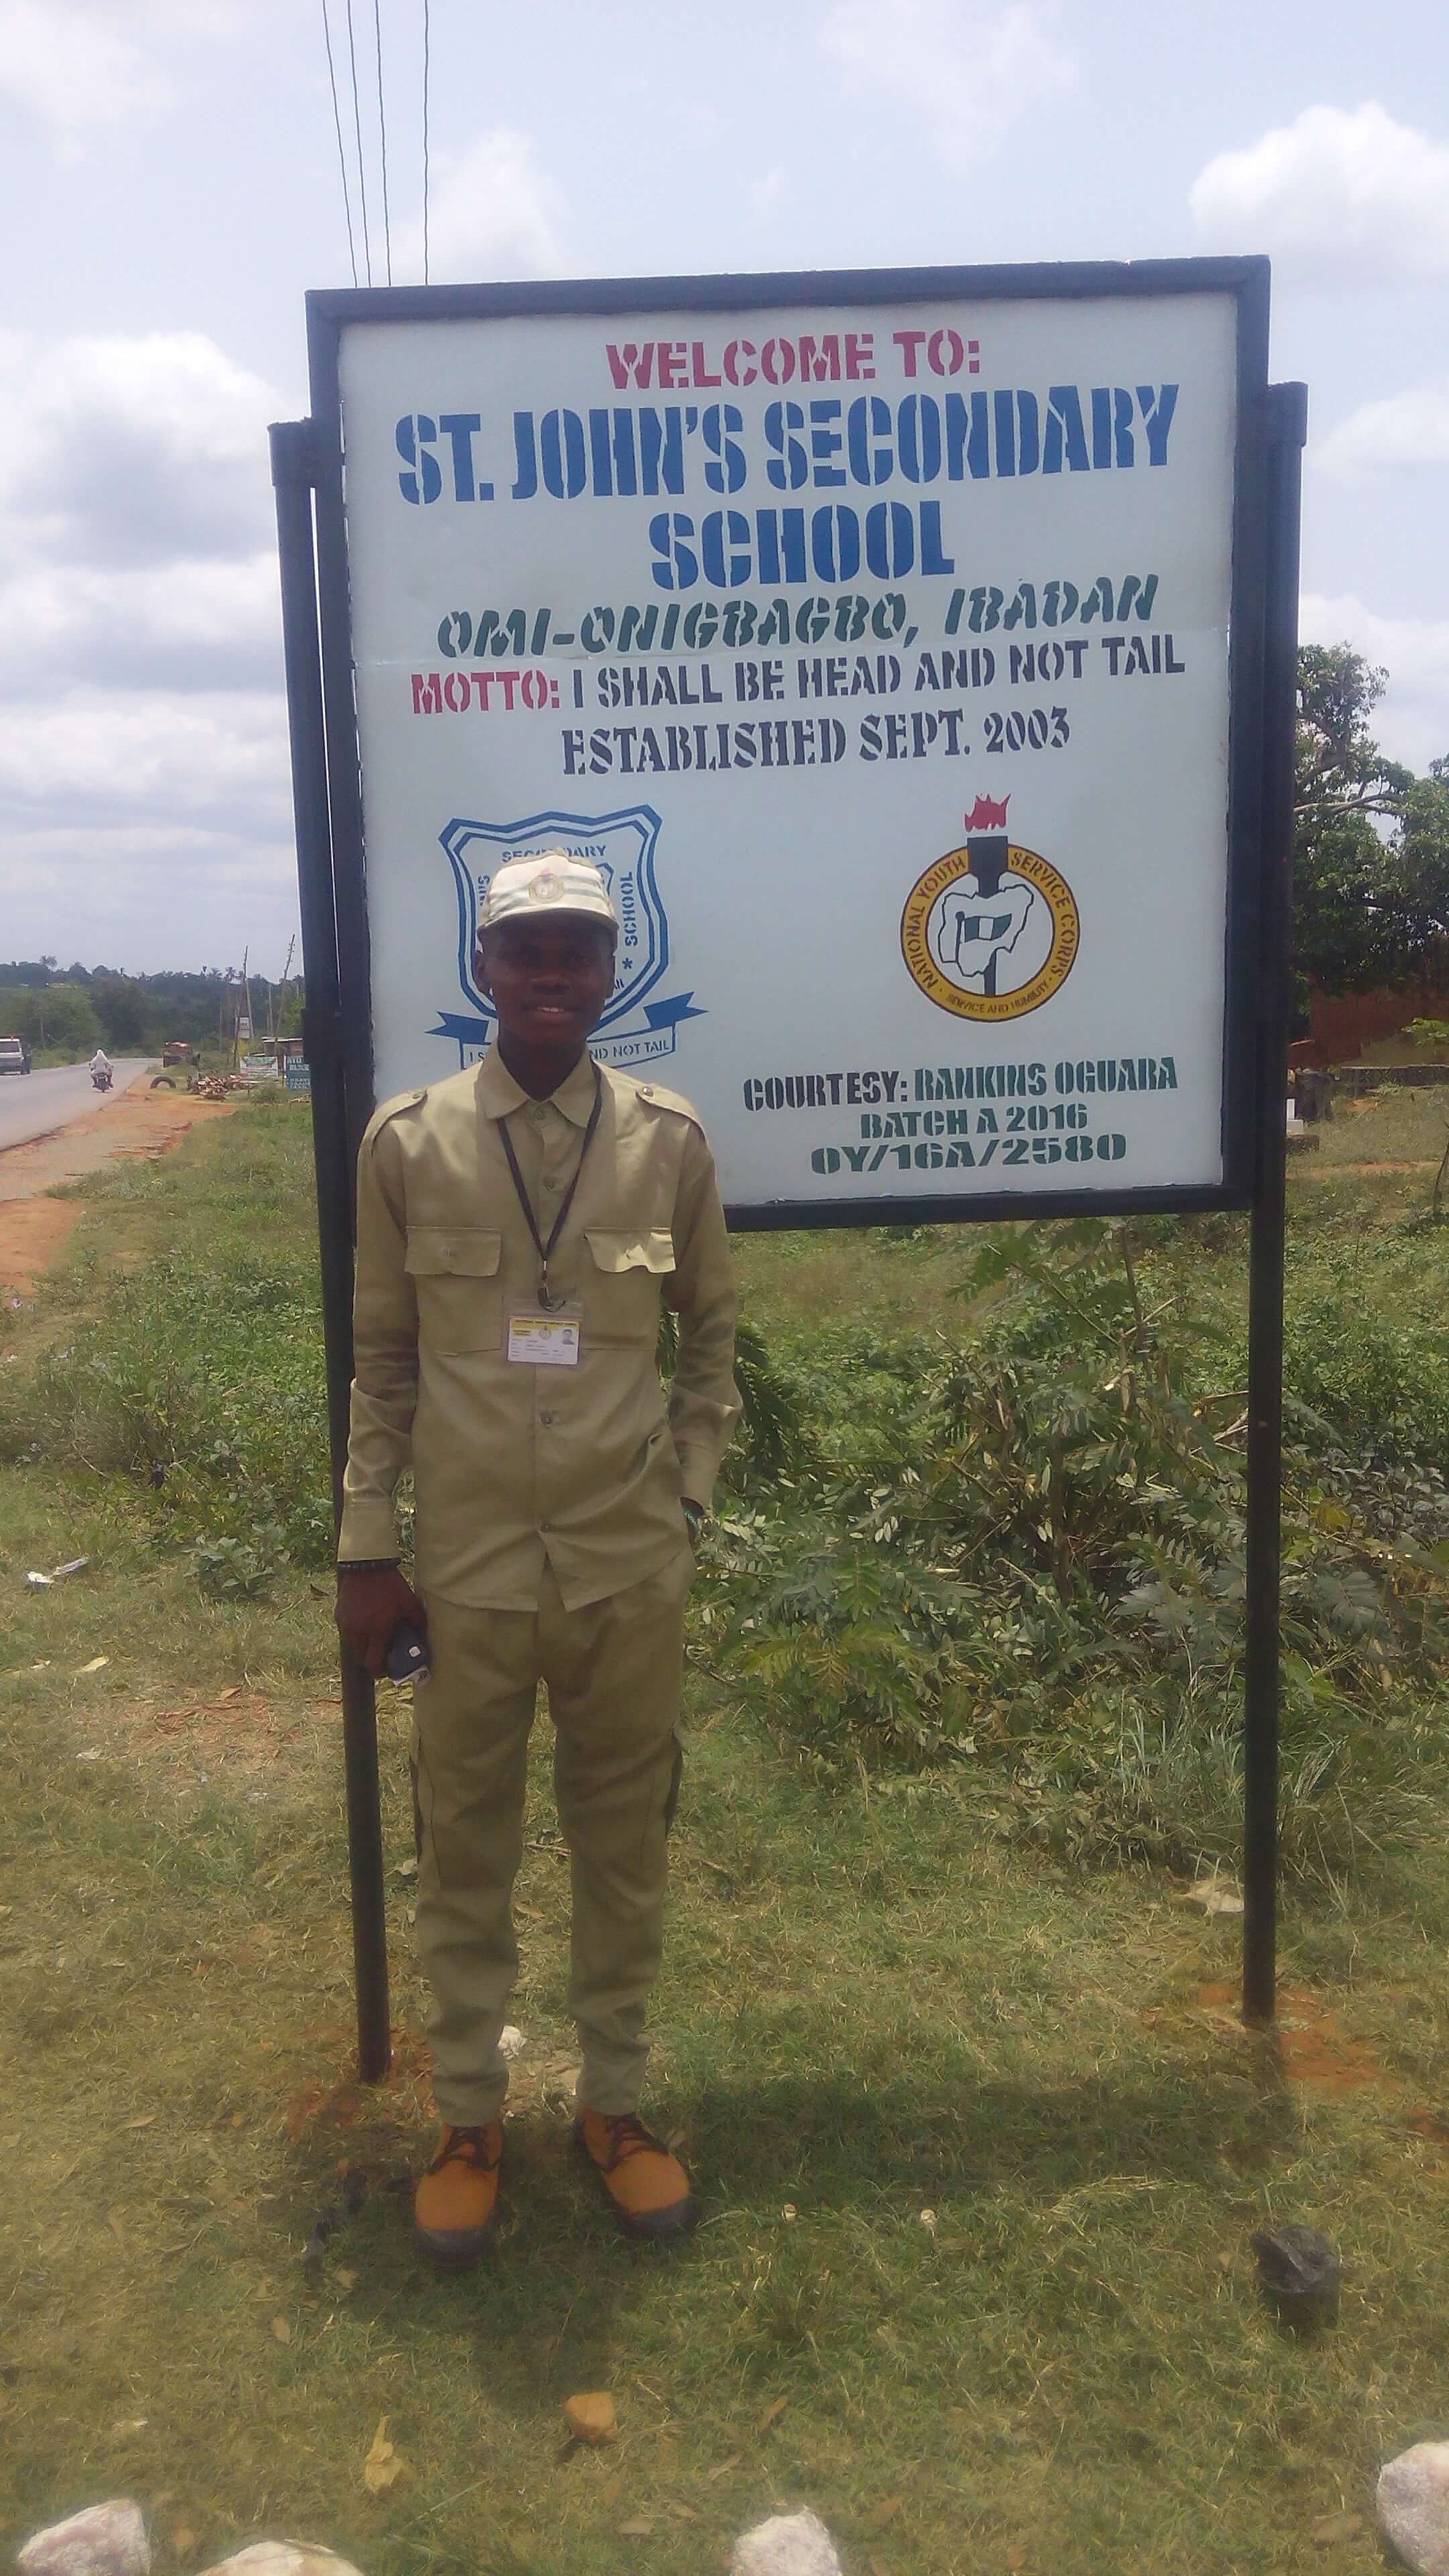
column 456, row 2200
column 645, row 2186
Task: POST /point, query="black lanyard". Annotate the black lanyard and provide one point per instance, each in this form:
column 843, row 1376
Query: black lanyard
column 544, row 1250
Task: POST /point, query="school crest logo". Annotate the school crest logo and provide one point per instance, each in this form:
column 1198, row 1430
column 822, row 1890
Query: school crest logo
column 634, row 1030
column 991, row 930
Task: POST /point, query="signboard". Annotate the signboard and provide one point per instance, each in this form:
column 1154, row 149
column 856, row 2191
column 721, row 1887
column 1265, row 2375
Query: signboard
column 258, row 1068
column 916, row 652
column 297, row 1073
column 889, row 642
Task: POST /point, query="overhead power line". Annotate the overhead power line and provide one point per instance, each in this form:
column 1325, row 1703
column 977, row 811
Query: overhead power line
column 357, row 128
column 341, row 151
column 382, row 136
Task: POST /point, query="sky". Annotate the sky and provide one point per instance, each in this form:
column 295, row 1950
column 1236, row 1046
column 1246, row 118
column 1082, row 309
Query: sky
column 170, row 186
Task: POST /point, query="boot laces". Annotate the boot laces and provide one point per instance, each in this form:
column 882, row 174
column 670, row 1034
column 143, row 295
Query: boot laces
column 629, row 2137
column 466, row 2147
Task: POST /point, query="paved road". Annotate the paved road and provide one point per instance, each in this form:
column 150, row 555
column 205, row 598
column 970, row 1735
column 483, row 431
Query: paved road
column 33, row 1104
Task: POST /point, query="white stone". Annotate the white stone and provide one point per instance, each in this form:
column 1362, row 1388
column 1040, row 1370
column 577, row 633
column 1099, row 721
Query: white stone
column 1413, row 2506
column 105, row 2540
column 283, row 2558
column 511, row 2042
column 789, row 2544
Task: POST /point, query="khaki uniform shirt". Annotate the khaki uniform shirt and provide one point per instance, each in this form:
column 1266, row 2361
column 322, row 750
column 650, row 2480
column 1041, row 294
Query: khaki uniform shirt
column 518, row 1464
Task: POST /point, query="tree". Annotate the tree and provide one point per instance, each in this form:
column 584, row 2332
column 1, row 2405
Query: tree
column 125, row 1010
column 1350, row 933
column 1421, row 874
column 51, row 1015
column 1340, row 768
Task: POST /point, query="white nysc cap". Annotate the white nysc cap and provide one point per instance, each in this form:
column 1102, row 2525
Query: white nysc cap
column 550, row 883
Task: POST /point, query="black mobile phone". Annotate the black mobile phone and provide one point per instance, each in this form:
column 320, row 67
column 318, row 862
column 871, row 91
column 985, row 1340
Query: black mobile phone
column 407, row 1656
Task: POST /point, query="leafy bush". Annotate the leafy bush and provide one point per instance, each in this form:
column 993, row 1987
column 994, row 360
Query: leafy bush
column 1047, row 1577
column 1379, row 1385
column 231, row 1569
column 204, row 1383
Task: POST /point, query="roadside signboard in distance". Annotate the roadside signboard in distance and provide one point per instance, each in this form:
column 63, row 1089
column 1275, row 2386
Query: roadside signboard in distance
column 893, row 643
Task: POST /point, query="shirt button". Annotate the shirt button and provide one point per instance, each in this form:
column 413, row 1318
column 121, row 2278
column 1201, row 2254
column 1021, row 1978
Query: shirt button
column 548, row 1183
column 545, row 1417
column 646, row 1090
column 545, row 1529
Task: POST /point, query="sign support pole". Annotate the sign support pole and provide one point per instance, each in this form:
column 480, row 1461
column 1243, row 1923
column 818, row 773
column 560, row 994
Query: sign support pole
column 294, row 477
column 1285, row 430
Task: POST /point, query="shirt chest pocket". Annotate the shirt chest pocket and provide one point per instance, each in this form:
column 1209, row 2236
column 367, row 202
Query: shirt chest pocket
column 624, row 1281
column 460, row 1295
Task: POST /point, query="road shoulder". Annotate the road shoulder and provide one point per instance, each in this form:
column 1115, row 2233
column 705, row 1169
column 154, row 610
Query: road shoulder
column 33, row 1226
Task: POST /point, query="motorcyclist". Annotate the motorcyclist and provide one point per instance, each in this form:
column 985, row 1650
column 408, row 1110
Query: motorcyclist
column 100, row 1069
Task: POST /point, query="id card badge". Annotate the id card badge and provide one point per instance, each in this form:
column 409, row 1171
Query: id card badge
column 544, row 1337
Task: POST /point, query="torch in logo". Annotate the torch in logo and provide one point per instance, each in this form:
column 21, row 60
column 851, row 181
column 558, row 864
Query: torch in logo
column 987, row 909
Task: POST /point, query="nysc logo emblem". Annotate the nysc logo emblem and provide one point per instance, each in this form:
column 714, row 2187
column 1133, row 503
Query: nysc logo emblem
column 991, row 930
column 633, row 1030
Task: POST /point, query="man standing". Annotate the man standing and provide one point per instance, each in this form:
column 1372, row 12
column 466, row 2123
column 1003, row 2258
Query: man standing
column 518, row 1227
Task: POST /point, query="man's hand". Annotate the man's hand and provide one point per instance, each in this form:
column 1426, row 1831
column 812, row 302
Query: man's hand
column 369, row 1605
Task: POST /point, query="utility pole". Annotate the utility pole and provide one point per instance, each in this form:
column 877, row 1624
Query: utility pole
column 276, row 1015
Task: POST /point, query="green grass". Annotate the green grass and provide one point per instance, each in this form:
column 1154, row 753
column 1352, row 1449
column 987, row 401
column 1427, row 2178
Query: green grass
column 981, row 2151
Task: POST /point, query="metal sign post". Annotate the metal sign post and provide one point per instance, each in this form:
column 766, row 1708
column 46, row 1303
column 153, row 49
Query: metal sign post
column 294, row 476
column 913, row 650
column 1286, row 423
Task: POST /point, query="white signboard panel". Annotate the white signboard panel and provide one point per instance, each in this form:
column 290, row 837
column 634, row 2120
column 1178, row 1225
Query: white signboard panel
column 878, row 651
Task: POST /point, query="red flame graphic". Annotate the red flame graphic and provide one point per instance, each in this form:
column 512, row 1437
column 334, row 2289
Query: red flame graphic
column 985, row 816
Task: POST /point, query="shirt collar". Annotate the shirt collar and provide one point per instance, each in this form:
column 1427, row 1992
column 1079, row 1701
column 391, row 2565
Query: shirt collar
column 499, row 1095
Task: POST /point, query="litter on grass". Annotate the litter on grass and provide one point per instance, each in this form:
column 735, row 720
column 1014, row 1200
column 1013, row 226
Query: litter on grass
column 384, row 2464
column 591, row 2417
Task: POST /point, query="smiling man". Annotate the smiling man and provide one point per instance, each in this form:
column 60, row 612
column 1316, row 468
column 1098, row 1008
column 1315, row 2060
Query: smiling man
column 518, row 1227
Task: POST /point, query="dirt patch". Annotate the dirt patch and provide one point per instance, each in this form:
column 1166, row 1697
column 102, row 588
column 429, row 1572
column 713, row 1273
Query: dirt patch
column 236, row 1732
column 1313, row 2049
column 141, row 1123
column 31, row 1234
column 346, row 2103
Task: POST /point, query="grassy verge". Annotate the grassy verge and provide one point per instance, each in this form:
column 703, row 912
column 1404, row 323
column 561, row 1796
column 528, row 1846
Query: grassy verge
column 982, row 2144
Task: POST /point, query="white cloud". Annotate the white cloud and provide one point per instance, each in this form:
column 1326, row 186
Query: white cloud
column 1410, row 428
column 1412, row 719
column 155, row 757
column 147, row 828
column 967, row 69
column 74, row 71
column 143, row 740
column 132, row 450
column 492, row 213
column 81, row 69
column 1344, row 196
column 767, row 192
column 199, row 625
column 144, row 896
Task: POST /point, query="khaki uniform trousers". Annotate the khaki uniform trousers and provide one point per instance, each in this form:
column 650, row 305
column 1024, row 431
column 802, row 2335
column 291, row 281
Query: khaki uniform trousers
column 613, row 1671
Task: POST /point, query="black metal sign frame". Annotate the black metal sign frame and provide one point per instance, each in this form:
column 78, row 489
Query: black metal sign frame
column 308, row 470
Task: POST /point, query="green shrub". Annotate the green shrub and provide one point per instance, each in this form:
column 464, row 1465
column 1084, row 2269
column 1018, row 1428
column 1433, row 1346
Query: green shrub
column 1041, row 1578
column 204, row 1384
